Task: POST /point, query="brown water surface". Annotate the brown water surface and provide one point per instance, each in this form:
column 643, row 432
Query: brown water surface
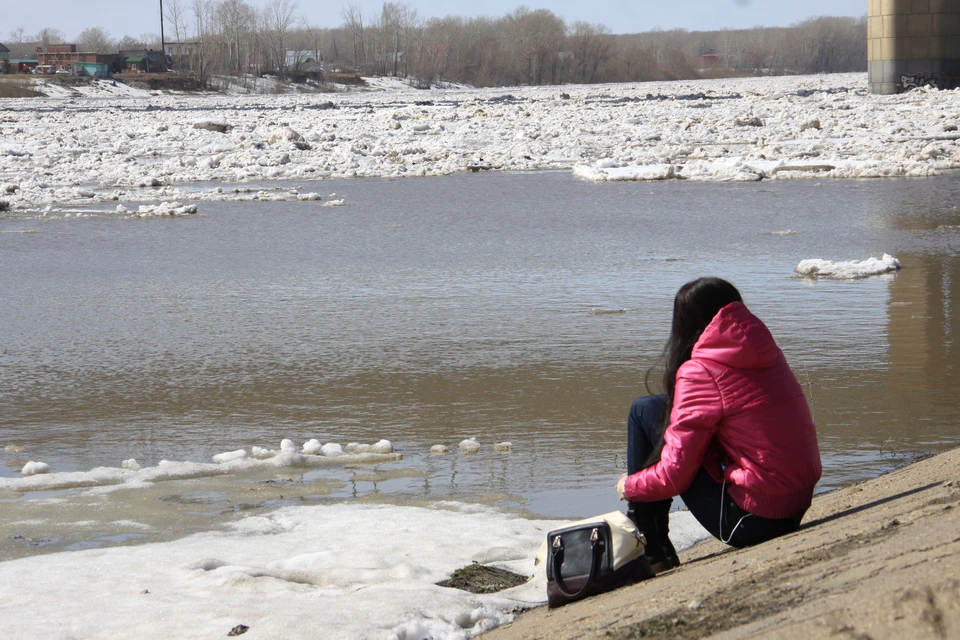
column 432, row 310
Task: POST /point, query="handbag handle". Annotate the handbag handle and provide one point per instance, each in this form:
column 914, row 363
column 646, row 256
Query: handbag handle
column 557, row 551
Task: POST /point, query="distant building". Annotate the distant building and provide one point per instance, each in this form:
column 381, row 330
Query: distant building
column 304, row 64
column 4, row 52
column 61, row 57
column 92, row 69
column 183, row 55
column 144, row 60
column 711, row 59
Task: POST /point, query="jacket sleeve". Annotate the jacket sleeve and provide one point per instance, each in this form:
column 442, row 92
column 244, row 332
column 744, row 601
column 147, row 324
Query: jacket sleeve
column 697, row 411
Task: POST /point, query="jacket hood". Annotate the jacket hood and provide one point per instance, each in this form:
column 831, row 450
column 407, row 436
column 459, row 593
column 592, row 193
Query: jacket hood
column 737, row 338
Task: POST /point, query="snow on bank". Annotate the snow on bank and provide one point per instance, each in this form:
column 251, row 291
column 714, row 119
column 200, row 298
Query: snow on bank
column 95, row 89
column 342, row 571
column 848, row 270
column 84, row 151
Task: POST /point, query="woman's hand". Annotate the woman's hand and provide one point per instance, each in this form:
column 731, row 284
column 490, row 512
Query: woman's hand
column 621, row 486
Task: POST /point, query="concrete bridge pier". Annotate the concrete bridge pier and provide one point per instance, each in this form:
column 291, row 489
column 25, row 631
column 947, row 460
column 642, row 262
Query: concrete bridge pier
column 913, row 43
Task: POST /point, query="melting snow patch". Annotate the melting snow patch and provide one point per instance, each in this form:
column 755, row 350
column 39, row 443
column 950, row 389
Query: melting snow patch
column 848, row 270
column 35, row 468
column 334, row 558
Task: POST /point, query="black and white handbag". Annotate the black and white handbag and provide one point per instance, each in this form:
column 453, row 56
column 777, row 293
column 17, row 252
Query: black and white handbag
column 593, row 556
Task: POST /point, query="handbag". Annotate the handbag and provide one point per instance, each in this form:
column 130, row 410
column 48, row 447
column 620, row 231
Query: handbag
column 593, row 556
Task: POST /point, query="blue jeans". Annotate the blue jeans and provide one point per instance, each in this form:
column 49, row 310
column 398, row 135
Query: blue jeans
column 706, row 498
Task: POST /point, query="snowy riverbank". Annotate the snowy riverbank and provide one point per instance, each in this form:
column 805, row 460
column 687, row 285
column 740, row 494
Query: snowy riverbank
column 78, row 152
column 349, row 571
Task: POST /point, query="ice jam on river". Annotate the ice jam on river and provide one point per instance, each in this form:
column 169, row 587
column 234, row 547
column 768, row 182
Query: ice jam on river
column 59, row 153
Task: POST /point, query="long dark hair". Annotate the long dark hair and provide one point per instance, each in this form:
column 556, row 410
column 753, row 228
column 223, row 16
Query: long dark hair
column 694, row 306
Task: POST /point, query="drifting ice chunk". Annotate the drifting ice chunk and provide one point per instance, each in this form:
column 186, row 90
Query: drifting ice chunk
column 239, row 454
column 13, row 448
column 470, row 446
column 503, row 447
column 35, row 468
column 331, row 449
column 287, row 445
column 601, row 173
column 312, row 447
column 131, row 465
column 287, row 134
column 212, row 125
column 261, row 453
column 848, row 270
column 166, row 209
column 607, row 312
column 384, row 446
column 439, row 448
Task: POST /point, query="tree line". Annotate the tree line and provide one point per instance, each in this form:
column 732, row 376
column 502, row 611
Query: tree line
column 531, row 47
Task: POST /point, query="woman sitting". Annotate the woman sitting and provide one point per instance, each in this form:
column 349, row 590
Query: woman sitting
column 732, row 435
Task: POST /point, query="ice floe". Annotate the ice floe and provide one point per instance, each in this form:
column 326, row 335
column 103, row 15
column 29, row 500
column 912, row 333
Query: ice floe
column 851, row 270
column 165, row 209
column 35, row 468
column 469, row 446
column 312, row 447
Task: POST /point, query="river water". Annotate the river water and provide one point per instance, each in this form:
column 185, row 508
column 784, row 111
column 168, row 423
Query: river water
column 427, row 311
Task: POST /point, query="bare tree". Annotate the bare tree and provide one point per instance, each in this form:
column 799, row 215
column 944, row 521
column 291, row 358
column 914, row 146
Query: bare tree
column 150, row 40
column 353, row 23
column 536, row 39
column 18, row 38
column 236, row 20
column 95, row 40
column 127, row 43
column 279, row 17
column 48, row 36
column 201, row 19
column 177, row 16
column 590, row 45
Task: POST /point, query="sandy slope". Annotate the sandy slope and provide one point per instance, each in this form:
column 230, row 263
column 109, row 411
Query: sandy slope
column 877, row 560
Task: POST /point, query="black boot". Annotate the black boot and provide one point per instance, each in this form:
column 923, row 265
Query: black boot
column 653, row 520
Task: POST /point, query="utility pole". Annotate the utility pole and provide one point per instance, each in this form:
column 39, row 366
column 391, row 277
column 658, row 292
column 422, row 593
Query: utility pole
column 163, row 43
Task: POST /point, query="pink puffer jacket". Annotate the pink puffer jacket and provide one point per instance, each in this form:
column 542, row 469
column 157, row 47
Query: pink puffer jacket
column 739, row 412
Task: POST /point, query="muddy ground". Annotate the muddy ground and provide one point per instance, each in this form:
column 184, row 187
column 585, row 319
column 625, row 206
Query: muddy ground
column 877, row 560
